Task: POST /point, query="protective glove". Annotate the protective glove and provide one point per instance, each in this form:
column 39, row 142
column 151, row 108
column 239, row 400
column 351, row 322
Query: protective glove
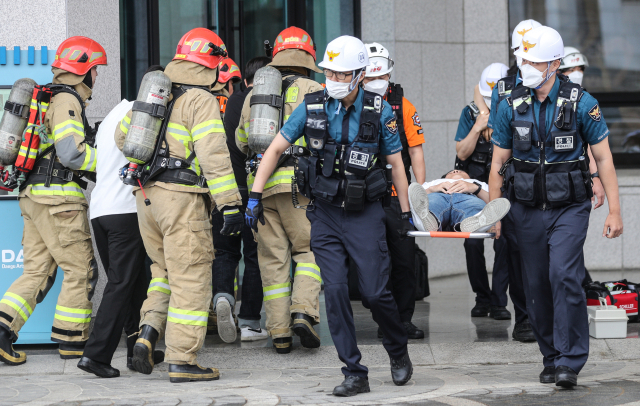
column 406, row 225
column 254, row 211
column 232, row 221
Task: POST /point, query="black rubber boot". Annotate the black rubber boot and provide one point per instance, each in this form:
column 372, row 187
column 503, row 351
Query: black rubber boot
column 71, row 350
column 144, row 350
column 282, row 345
column 188, row 373
column 98, row 368
column 548, row 375
column 158, row 358
column 303, row 327
column 351, row 386
column 7, row 354
column 401, row 370
column 566, row 377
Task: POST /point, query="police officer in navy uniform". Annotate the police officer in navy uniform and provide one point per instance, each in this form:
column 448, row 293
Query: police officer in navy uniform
column 347, row 129
column 541, row 134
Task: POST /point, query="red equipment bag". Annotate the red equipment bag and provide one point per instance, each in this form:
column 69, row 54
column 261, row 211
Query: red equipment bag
column 622, row 294
column 31, row 139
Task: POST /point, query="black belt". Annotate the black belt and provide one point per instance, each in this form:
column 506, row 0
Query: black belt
column 59, row 175
column 181, row 176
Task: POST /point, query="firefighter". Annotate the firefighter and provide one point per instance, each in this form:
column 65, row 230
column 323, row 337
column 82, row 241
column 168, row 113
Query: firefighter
column 228, row 75
column 176, row 227
column 346, row 129
column 546, row 124
column 56, row 228
column 402, row 281
column 284, row 235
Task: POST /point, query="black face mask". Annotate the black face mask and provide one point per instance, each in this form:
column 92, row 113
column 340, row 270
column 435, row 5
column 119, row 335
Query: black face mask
column 87, row 80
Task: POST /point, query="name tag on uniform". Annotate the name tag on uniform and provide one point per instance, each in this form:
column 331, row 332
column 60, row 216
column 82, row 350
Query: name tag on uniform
column 359, row 159
column 564, row 143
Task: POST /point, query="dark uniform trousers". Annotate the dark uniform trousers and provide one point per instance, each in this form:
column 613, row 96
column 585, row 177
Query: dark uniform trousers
column 337, row 235
column 122, row 253
column 551, row 243
column 402, row 278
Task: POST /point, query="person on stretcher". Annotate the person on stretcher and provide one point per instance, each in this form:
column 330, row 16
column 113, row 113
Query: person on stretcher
column 455, row 201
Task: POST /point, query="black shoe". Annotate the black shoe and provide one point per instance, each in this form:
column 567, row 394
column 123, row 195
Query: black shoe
column 566, row 377
column 304, row 329
column 548, row 375
column 351, row 386
column 412, row 331
column 282, row 345
column 158, row 358
column 524, row 333
column 7, row 354
column 98, row 368
column 71, row 351
column 380, row 335
column 188, row 373
column 500, row 313
column 401, row 370
column 144, row 350
column 480, row 310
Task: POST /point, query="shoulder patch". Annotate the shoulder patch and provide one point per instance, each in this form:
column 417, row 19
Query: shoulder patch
column 416, row 119
column 72, row 113
column 292, row 95
column 594, row 113
column 392, row 125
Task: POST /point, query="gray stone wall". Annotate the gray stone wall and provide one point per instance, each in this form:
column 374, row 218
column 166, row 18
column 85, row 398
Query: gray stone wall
column 33, row 23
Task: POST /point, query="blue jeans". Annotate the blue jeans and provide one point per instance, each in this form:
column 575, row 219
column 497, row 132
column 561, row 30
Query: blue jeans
column 452, row 209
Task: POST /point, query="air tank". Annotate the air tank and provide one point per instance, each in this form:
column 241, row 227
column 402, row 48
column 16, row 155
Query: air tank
column 12, row 125
column 265, row 119
column 140, row 142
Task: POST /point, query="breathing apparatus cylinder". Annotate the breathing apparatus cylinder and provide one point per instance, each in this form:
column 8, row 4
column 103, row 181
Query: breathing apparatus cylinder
column 14, row 120
column 148, row 112
column 266, row 103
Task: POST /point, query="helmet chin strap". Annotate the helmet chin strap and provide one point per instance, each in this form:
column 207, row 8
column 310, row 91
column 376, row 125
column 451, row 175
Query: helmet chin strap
column 354, row 81
column 548, row 76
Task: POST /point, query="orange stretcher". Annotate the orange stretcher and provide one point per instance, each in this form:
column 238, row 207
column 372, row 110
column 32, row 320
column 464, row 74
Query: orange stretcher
column 449, row 234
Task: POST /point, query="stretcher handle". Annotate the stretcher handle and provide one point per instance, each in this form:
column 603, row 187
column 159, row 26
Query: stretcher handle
column 449, row 234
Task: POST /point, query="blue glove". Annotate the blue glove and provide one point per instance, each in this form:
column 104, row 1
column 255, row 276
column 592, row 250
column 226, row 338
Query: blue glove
column 255, row 211
column 232, row 221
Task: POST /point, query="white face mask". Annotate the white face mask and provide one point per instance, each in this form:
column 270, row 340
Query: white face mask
column 378, row 86
column 339, row 90
column 487, row 101
column 519, row 61
column 532, row 77
column 576, row 77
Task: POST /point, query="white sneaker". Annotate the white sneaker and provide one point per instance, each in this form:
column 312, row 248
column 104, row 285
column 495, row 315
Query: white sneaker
column 250, row 334
column 226, row 324
column 493, row 212
column 419, row 202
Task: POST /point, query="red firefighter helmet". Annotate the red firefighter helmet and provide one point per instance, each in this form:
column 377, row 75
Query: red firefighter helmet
column 79, row 54
column 294, row 38
column 201, row 46
column 229, row 71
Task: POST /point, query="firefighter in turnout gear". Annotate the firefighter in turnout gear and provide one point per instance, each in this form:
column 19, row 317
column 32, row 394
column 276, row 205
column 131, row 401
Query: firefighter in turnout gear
column 56, row 228
column 228, row 75
column 402, row 281
column 175, row 227
column 284, row 234
column 545, row 125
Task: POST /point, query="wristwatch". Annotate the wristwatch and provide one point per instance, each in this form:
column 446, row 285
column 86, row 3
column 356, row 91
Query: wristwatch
column 479, row 188
column 595, row 175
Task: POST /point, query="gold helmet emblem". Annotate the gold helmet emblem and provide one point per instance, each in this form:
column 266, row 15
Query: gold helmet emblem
column 491, row 84
column 332, row 55
column 524, row 30
column 527, row 45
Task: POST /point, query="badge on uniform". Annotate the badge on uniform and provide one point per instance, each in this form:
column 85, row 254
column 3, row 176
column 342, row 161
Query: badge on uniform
column 564, row 142
column 392, row 125
column 416, row 119
column 359, row 159
column 594, row 113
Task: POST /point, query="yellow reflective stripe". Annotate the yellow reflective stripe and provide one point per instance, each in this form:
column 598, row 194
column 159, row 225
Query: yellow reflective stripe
column 302, row 141
column 69, row 126
column 207, row 127
column 179, row 132
column 188, row 317
column 278, row 178
column 222, row 184
column 18, row 304
column 159, row 285
column 124, row 124
column 23, row 152
column 308, row 269
column 73, row 315
column 235, row 285
column 242, row 134
column 90, row 159
column 67, row 189
column 277, row 291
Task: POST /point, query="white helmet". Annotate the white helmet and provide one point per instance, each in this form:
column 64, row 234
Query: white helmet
column 542, row 44
column 345, row 54
column 522, row 28
column 380, row 62
column 490, row 76
column 573, row 57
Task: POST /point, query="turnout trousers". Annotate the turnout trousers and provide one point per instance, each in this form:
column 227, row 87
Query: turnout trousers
column 337, row 235
column 285, row 237
column 176, row 232
column 54, row 236
column 551, row 243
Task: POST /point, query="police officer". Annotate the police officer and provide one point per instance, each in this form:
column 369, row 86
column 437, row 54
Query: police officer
column 402, row 281
column 56, row 228
column 474, row 156
column 346, row 129
column 175, row 227
column 284, row 235
column 545, row 125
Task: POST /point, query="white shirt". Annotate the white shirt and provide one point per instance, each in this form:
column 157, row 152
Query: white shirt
column 427, row 185
column 111, row 196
